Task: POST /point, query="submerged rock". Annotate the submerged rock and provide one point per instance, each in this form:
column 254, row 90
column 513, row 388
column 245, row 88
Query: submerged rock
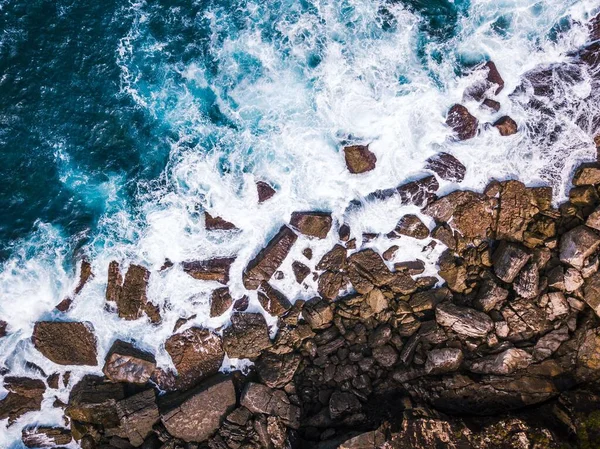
column 312, row 224
column 359, row 159
column 446, row 167
column 506, row 126
column 462, row 122
column 24, row 395
column 66, row 343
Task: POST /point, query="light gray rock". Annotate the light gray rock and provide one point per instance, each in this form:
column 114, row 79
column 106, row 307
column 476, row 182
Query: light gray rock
column 443, row 360
column 506, row 362
column 463, row 320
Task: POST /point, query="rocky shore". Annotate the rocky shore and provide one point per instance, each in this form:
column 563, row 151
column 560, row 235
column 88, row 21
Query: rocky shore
column 505, row 353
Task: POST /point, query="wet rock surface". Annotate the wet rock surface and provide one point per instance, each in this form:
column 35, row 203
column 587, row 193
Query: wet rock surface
column 66, row 343
column 359, row 159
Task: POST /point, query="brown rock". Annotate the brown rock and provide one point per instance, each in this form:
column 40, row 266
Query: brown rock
column 37, row 437
column 508, row 261
column 587, row 175
column 115, row 281
column 366, row 269
column 506, row 362
column 333, row 260
column 443, row 360
column 300, row 271
column 577, row 245
column 137, row 416
column 463, row 320
column 247, row 336
column 24, row 395
column 342, row 404
column 490, row 296
column 125, row 363
column 64, row 305
column 3, row 326
column 216, row 269
column 446, row 167
column 420, row 192
column 462, row 122
column 261, row 399
column 412, row 226
column 84, row 275
column 591, row 292
column 220, row 301
column 194, row 416
column 389, row 253
column 330, row 284
column 217, row 223
column 493, row 82
column 94, row 401
column 359, row 159
column 268, row 260
column 527, row 282
column 196, row 353
column 525, row 320
column 130, row 295
column 272, row 300
column 493, row 105
column 506, row 125
column 265, row 191
column 66, row 343
column 317, row 313
column 313, row 224
column 276, row 370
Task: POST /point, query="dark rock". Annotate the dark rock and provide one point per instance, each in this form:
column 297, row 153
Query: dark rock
column 506, row 362
column 272, row 300
column 24, row 395
column 428, row 299
column 64, row 305
column 492, row 105
column 261, row 399
column 66, row 343
column 506, row 126
column 247, row 336
column 341, row 404
column 37, row 437
column 389, row 253
column 265, row 191
column 493, row 83
column 420, row 192
column 210, row 270
column 412, row 226
column 217, row 223
column 85, row 274
column 300, row 270
column 380, row 336
column 385, row 355
column 344, row 232
column 330, row 284
column 313, row 224
column 591, row 292
column 508, row 261
column 3, row 326
column 94, row 401
column 463, row 320
column 307, row 252
column 490, row 296
column 195, row 415
column 196, row 353
column 268, row 260
column 317, row 313
column 587, row 174
column 366, row 269
column 52, row 380
column 577, row 245
column 443, row 360
column 220, row 301
column 549, row 343
column 411, row 267
column 359, row 159
column 334, row 259
column 446, row 167
column 462, row 122
column 277, row 370
column 137, row 416
column 130, row 295
column 126, row 363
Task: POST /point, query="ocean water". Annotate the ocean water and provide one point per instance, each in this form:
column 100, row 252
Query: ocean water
column 122, row 122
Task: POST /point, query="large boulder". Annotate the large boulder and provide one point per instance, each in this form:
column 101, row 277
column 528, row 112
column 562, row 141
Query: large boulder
column 359, row 159
column 462, row 122
column 334, row 259
column 220, row 301
column 247, row 336
column 130, row 295
column 317, row 313
column 66, row 343
column 24, row 395
column 312, row 224
column 94, row 400
column 195, row 415
column 446, row 167
column 463, row 320
column 210, row 270
column 268, row 260
column 577, row 245
column 420, row 192
column 125, row 363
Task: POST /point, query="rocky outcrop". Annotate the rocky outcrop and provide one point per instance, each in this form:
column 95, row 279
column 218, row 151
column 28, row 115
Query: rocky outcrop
column 359, row 159
column 24, row 395
column 66, row 343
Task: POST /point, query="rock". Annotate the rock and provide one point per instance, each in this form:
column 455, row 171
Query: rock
column 490, row 296
column 492, row 105
column 410, row 267
column 265, row 191
column 584, row 197
column 137, row 416
column 85, row 274
column 412, row 226
column 506, row 126
column 376, row 301
column 93, row 400
column 420, row 192
column 300, row 270
column 217, row 223
column 125, row 363
column 66, row 343
column 130, row 295
column 453, row 271
column 37, row 437
column 493, row 83
column 312, row 224
column 593, row 220
column 587, row 175
column 196, row 353
column 330, row 284
column 24, row 395
column 359, row 159
column 428, row 299
column 216, row 269
column 261, row 399
column 549, row 343
column 367, row 440
column 3, row 326
column 506, row 362
column 445, row 360
column 463, row 320
column 220, row 301
column 446, row 167
column 272, row 300
column 508, row 260
column 591, row 292
column 366, row 269
column 525, row 320
column 527, row 283
column 462, row 122
column 389, row 253
column 557, row 306
column 275, row 370
column 317, row 313
column 247, row 336
column 268, row 260
column 64, row 305
column 341, row 404
column 588, row 355
column 195, row 415
column 385, row 355
column 334, row 259
column 577, row 245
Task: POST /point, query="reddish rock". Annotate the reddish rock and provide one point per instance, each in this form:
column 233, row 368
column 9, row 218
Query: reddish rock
column 317, row 313
column 64, row 305
column 137, row 416
column 220, row 301
column 217, row 223
column 125, row 363
column 493, row 105
column 412, row 226
column 506, row 125
column 84, row 275
column 462, row 122
column 265, row 191
column 66, row 343
column 494, row 76
column 587, row 174
column 268, row 260
column 420, row 192
column 367, row 269
column 330, row 284
column 216, row 269
column 313, row 224
column 446, row 167
column 24, row 395
column 272, row 300
column 359, row 159
column 247, row 336
column 261, row 399
column 493, row 83
column 334, row 259
column 300, row 270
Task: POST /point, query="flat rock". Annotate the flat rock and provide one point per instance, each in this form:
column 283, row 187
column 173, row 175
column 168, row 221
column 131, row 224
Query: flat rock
column 38, row 437
column 525, row 320
column 247, row 336
column 277, row 370
column 587, row 175
column 506, row 126
column 446, row 167
column 366, row 269
column 506, row 362
column 462, row 122
column 196, row 353
column 410, row 225
column 94, row 400
column 508, row 260
column 125, row 363
column 259, row 398
column 216, row 269
column 577, row 245
column 443, row 360
column 24, row 395
column 312, row 224
column 217, row 223
column 527, row 282
column 194, row 416
column 268, row 260
column 359, row 159
column 272, row 300
column 66, row 343
column 463, row 320
column 137, row 416
column 220, row 301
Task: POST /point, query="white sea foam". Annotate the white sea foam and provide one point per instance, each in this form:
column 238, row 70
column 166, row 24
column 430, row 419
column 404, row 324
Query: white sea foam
column 284, row 121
